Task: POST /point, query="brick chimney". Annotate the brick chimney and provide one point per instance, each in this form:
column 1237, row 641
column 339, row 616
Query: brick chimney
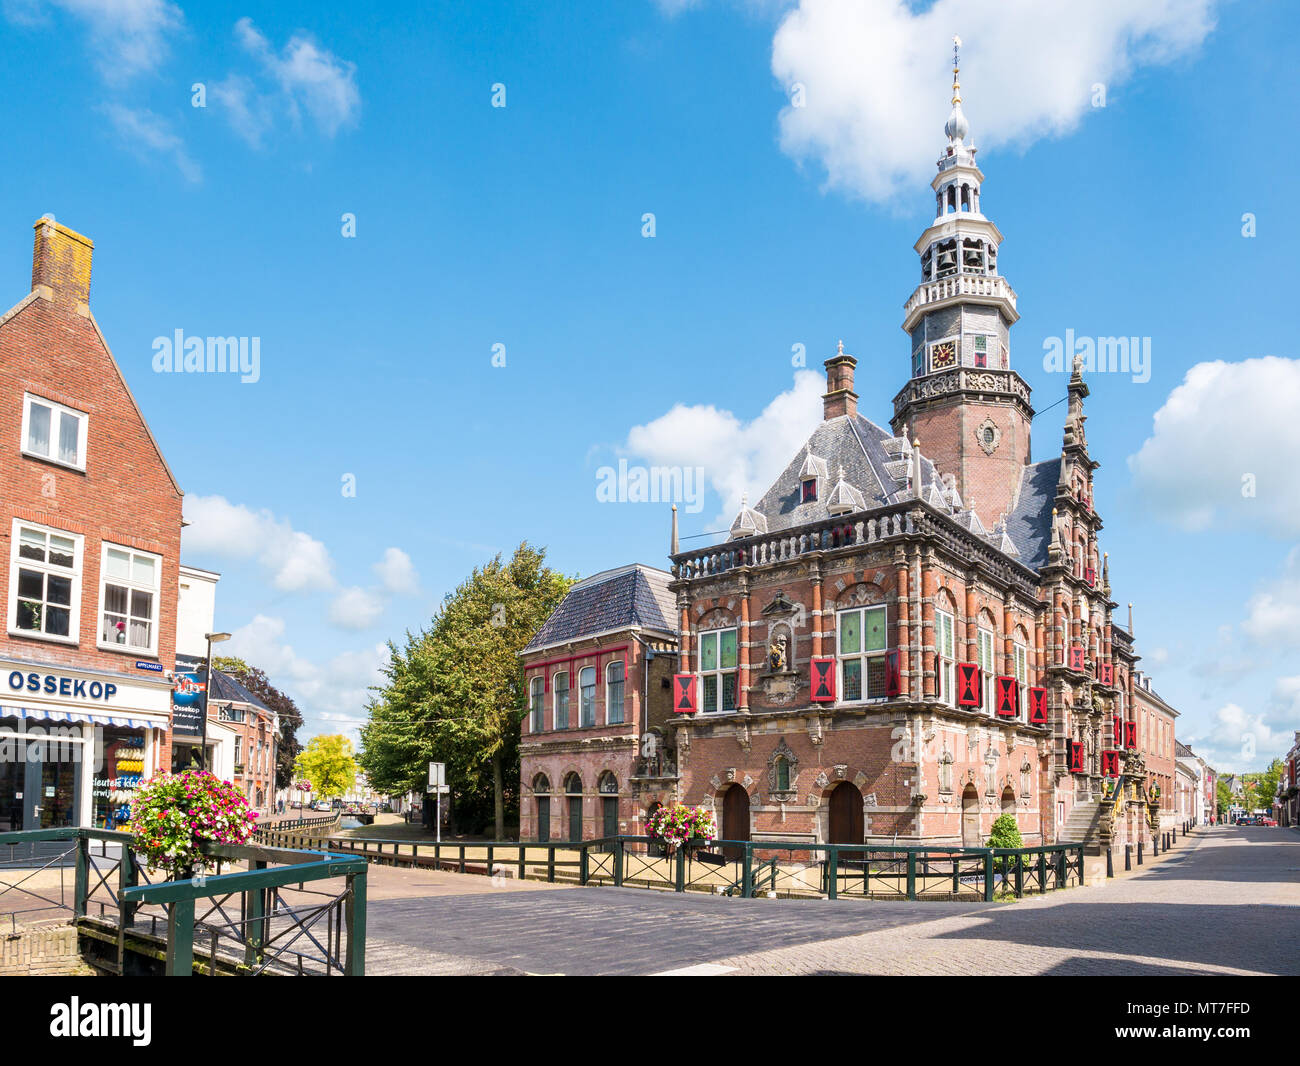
column 840, row 399
column 61, row 265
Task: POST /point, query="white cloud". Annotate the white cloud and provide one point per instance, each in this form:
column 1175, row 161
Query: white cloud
column 296, row 561
column 334, row 690
column 310, row 77
column 397, row 573
column 357, row 608
column 876, row 75
column 150, row 136
column 129, row 37
column 1284, row 707
column 737, row 456
column 1224, row 447
column 247, row 111
column 1238, row 741
column 1273, row 616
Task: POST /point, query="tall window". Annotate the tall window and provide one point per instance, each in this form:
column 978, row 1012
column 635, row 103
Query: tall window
column 535, row 687
column 944, row 644
column 984, row 648
column 128, row 600
column 45, row 579
column 54, row 432
column 587, row 695
column 614, row 676
column 862, row 637
column 1020, row 663
column 718, row 670
column 562, row 700
column 782, row 774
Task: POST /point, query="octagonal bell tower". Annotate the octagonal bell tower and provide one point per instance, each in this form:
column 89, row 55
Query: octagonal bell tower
column 965, row 404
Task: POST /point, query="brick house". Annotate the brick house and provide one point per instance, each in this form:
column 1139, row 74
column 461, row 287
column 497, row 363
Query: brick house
column 599, row 675
column 91, row 518
column 903, row 645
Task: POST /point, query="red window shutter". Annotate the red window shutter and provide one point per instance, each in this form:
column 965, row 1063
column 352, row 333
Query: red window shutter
column 685, row 698
column 1117, row 729
column 1090, row 576
column 969, row 687
column 1076, row 757
column 1110, row 763
column 823, row 680
column 893, row 674
column 1038, row 706
column 1107, row 673
column 1130, row 735
column 1007, row 697
column 1076, row 656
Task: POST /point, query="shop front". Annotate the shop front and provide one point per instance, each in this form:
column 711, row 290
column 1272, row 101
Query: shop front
column 75, row 745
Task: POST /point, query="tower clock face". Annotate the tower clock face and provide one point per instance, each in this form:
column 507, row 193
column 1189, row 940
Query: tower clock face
column 943, row 355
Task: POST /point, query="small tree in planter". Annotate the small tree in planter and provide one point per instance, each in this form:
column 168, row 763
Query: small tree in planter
column 682, row 826
column 174, row 815
column 1005, row 834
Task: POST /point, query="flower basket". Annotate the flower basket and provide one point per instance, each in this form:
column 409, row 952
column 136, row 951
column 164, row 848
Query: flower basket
column 174, row 816
column 680, row 826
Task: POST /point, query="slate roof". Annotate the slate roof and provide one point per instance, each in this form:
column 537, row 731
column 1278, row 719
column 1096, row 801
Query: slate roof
column 627, row 596
column 1030, row 524
column 854, row 442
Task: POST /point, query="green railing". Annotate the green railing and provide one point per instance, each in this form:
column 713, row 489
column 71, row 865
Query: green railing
column 260, row 939
column 745, row 868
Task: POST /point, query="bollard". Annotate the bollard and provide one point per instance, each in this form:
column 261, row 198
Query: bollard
column 1139, row 852
column 1128, row 856
column 1110, row 864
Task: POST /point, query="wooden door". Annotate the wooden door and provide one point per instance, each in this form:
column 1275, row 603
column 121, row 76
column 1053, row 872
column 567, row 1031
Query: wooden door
column 609, row 816
column 575, row 817
column 735, row 820
column 847, row 825
column 970, row 818
column 543, row 818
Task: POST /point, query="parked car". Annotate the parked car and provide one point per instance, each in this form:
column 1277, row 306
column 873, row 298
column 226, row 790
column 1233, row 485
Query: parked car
column 1268, row 821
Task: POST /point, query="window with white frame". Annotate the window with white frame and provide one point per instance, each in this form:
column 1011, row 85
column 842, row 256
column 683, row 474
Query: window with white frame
column 561, row 715
column 862, row 636
column 128, row 599
column 587, row 696
column 615, row 674
column 535, row 687
column 945, row 646
column 45, row 582
column 1020, row 665
column 54, row 432
column 984, row 652
column 718, row 670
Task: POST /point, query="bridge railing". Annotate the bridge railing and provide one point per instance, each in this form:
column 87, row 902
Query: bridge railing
column 280, row 926
column 747, row 868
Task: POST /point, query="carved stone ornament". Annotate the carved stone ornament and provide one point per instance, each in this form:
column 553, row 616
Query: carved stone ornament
column 781, row 751
column 988, row 436
column 777, row 654
column 841, row 771
column 823, row 780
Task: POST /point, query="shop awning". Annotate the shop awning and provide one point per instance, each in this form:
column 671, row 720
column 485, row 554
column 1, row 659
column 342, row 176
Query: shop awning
column 94, row 717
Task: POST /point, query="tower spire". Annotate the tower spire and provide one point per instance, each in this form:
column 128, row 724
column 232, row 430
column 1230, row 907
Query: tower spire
column 956, row 69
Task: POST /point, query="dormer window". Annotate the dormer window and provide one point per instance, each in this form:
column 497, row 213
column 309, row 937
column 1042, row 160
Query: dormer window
column 809, row 492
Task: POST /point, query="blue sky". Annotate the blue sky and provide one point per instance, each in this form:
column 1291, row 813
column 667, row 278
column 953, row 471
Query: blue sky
column 774, row 226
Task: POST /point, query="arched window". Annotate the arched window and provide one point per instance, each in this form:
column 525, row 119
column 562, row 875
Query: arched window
column 561, row 684
column 608, row 784
column 541, row 783
column 536, row 711
column 573, row 785
column 782, row 774
column 614, row 677
column 587, row 695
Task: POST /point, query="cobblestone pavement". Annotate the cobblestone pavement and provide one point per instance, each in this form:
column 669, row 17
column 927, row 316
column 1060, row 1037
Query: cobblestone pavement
column 1227, row 901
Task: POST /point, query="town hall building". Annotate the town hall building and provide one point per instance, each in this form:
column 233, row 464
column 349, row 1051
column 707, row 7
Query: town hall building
column 909, row 634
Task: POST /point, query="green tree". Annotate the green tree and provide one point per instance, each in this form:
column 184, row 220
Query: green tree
column 1262, row 787
column 455, row 692
column 256, row 681
column 329, row 764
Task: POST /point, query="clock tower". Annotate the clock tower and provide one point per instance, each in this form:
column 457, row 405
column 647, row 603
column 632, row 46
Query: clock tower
column 965, row 404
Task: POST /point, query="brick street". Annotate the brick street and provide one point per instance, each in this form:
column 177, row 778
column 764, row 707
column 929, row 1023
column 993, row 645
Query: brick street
column 1226, row 902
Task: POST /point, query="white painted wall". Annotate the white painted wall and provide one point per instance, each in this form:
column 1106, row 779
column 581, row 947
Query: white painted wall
column 195, row 610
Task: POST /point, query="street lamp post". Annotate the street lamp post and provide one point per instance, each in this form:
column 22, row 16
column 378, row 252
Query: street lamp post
column 211, row 638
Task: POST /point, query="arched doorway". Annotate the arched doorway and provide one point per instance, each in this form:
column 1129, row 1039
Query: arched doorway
column 846, row 824
column 573, row 795
column 607, row 786
column 970, row 818
column 735, row 820
column 1008, row 801
column 542, row 786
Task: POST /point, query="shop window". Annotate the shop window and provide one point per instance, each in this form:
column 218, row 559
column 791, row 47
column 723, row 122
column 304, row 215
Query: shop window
column 614, row 678
column 718, row 670
column 54, row 432
column 45, row 576
column 862, row 634
column 128, row 600
column 119, row 771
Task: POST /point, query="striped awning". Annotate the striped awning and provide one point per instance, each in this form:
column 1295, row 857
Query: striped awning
column 51, row 714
